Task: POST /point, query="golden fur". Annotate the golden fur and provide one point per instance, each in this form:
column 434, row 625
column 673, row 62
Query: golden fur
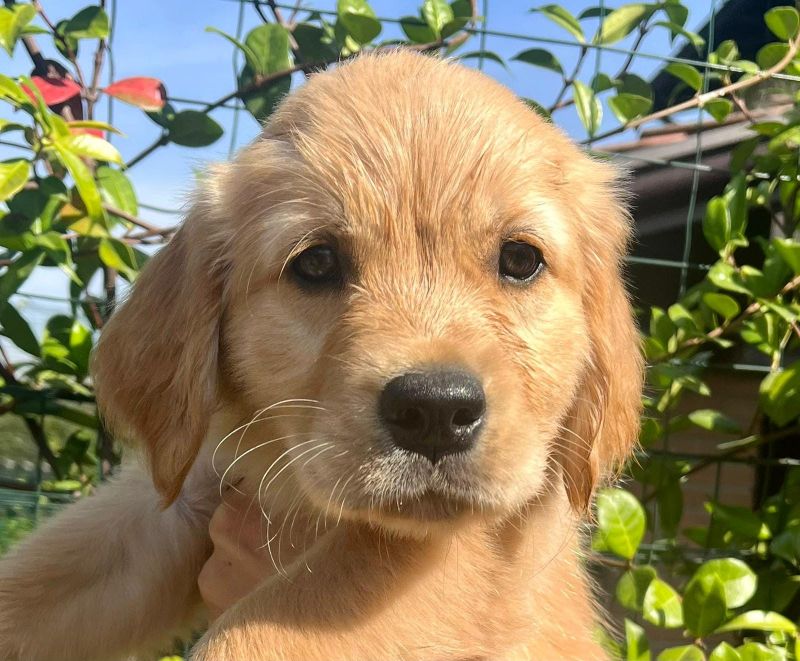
column 417, row 169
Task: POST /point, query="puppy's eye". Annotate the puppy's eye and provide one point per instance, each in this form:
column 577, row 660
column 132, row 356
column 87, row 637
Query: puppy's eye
column 520, row 261
column 317, row 265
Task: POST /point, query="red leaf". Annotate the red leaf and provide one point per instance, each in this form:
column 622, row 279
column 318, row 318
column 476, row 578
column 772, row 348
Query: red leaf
column 96, row 132
column 145, row 93
column 54, row 90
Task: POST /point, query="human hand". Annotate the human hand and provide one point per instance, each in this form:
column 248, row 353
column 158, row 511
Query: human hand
column 239, row 562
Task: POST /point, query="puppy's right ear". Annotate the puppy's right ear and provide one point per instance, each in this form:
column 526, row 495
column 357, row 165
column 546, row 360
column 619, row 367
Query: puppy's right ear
column 155, row 367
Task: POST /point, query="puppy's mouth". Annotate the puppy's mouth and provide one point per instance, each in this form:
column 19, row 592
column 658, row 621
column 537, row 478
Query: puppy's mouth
column 406, row 485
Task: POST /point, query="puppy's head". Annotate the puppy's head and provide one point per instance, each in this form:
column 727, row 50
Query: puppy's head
column 437, row 268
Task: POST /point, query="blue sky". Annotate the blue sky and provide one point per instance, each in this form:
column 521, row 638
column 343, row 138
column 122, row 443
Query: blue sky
column 166, row 39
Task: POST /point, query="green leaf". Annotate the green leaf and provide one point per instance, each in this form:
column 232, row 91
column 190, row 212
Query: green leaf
column 66, row 45
column 63, row 485
column 90, row 146
column 621, row 22
column 590, row 110
column 483, row 55
column 119, row 256
column 93, row 124
column 727, row 51
column 746, row 66
column 726, row 277
column 462, row 8
column 636, row 646
column 771, row 54
column 742, row 153
column 777, row 586
column 538, row 109
column 417, row 30
column 16, row 329
column 752, row 651
column 786, row 545
column 630, row 83
column 450, row 28
column 789, row 139
column 84, row 181
column 682, row 653
column 722, row 304
column 50, row 121
column 602, row 82
column 687, row 73
column 18, row 272
column 437, row 14
column 670, row 507
column 250, row 57
column 117, row 190
column 662, row 605
column 719, row 109
column 715, row 421
column 717, row 224
column 736, row 197
column 632, row 586
column 10, row 90
column 759, row 621
column 13, row 176
column 80, row 347
column 268, row 46
column 628, row 107
column 359, row 19
column 12, row 24
column 539, row 57
column 594, row 12
column 88, row 23
column 780, row 395
column 789, row 251
column 737, row 579
column 7, row 126
column 739, row 520
column 704, row 604
column 56, row 247
column 783, row 21
column 621, row 521
column 724, row 652
column 164, row 116
column 563, row 19
column 677, row 30
column 314, row 44
column 676, row 12
column 262, row 103
column 74, row 415
column 192, row 128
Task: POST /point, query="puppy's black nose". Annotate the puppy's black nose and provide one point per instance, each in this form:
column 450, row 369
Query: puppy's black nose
column 433, row 413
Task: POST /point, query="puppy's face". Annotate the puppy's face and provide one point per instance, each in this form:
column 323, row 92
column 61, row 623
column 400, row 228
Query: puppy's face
column 424, row 261
column 439, row 324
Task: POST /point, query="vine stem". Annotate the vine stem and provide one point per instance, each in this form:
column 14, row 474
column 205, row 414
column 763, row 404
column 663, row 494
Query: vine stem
column 34, row 428
column 37, row 5
column 643, row 31
column 749, row 311
column 756, row 440
column 569, row 81
column 91, row 97
column 701, row 100
column 265, row 80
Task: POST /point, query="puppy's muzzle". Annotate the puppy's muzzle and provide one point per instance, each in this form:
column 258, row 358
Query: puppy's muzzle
column 433, row 413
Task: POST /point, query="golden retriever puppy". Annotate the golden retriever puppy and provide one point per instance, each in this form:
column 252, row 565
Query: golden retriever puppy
column 395, row 323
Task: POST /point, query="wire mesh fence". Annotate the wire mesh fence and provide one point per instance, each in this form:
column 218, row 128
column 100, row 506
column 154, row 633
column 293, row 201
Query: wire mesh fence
column 669, row 258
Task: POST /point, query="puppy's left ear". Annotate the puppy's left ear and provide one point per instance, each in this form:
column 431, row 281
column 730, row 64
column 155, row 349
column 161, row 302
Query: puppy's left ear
column 156, row 364
column 604, row 421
